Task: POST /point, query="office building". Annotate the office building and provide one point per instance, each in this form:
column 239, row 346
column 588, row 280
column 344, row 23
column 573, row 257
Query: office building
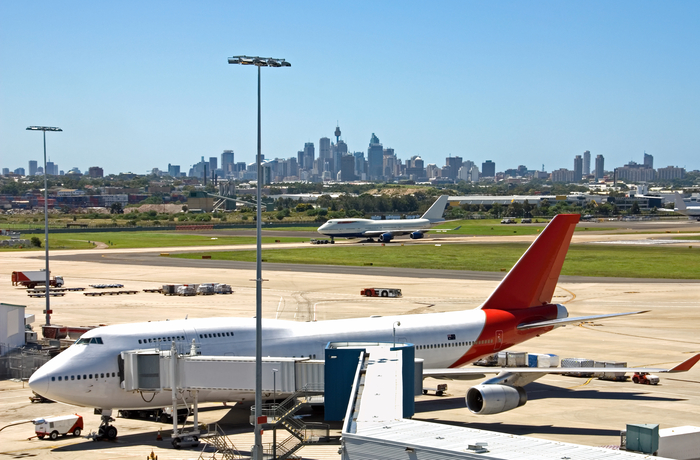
column 173, row 170
column 488, row 169
column 309, row 156
column 19, row 171
column 5, row 171
column 95, row 171
column 670, row 173
column 563, row 175
column 32, row 167
column 227, row 162
column 578, row 168
column 599, row 167
column 586, row 162
column 375, row 158
column 648, row 160
column 347, row 168
column 453, row 164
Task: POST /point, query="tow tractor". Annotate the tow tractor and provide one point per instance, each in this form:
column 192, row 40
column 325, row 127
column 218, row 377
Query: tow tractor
column 645, row 378
column 381, row 292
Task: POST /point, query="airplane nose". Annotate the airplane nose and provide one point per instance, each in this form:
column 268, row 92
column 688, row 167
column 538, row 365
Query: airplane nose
column 39, row 383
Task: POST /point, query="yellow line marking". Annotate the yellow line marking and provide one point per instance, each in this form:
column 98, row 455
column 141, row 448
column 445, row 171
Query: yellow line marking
column 583, row 384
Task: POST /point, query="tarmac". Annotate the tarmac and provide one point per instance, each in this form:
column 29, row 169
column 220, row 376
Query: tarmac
column 569, row 409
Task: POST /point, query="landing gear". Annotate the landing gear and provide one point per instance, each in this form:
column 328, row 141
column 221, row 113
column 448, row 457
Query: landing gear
column 332, row 240
column 106, row 431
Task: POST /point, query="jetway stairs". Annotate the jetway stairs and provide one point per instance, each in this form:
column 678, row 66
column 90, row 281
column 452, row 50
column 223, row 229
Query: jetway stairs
column 283, row 415
column 224, row 448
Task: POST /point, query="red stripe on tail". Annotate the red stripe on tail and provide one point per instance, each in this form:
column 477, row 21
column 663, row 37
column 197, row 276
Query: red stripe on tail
column 531, row 282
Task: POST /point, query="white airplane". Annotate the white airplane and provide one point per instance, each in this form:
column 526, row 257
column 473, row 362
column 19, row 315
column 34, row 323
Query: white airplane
column 682, row 208
column 88, row 373
column 386, row 230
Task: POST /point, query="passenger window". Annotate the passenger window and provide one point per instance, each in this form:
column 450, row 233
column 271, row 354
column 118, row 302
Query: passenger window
column 84, row 377
column 53, row 379
column 219, row 334
column 102, row 375
column 78, row 377
column 139, row 340
column 59, row 378
column 112, row 374
column 90, row 375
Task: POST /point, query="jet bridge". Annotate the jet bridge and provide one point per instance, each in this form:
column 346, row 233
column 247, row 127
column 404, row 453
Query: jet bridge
column 153, row 370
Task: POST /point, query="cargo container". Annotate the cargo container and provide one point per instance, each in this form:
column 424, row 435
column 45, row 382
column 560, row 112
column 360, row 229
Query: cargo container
column 187, row 289
column 223, row 289
column 542, row 360
column 512, row 358
column 577, row 362
column 616, row 376
column 206, row 289
column 169, row 289
column 53, row 427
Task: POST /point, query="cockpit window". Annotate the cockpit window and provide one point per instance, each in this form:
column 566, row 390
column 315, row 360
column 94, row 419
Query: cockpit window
column 85, row 341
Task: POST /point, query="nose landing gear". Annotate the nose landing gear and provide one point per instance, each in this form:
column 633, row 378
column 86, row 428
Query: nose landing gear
column 106, row 431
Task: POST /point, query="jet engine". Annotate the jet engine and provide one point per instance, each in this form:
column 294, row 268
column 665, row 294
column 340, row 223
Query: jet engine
column 416, row 235
column 386, row 237
column 493, row 399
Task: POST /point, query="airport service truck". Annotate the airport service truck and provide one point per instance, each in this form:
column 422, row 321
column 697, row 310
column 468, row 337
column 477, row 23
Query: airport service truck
column 53, row 427
column 32, row 279
column 381, row 292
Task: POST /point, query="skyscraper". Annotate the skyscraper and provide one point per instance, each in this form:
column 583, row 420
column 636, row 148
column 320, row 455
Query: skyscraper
column 453, row 164
column 324, row 148
column 578, row 168
column 309, row 156
column 173, row 170
column 375, row 158
column 599, row 167
column 213, row 161
column 648, row 161
column 488, row 169
column 586, row 162
column 347, row 168
column 50, row 168
column 227, row 162
column 32, row 167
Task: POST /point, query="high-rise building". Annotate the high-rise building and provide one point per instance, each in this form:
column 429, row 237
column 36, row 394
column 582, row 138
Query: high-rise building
column 488, row 169
column 375, row 159
column 173, row 170
column 360, row 165
column 453, row 164
column 599, row 167
column 338, row 150
column 347, row 168
column 670, row 173
column 563, row 175
column 415, row 168
column 586, row 162
column 32, row 167
column 50, row 168
column 309, row 155
column 324, row 148
column 389, row 164
column 213, row 165
column 5, row 171
column 648, row 160
column 19, row 171
column 578, row 168
column 95, row 171
column 227, row 162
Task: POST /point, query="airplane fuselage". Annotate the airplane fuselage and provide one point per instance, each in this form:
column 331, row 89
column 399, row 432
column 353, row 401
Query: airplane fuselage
column 87, row 373
column 359, row 228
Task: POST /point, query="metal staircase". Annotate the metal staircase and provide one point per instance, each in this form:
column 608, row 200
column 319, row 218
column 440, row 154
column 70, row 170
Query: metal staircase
column 216, row 437
column 282, row 415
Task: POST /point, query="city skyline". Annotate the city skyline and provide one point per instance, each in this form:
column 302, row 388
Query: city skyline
column 524, row 83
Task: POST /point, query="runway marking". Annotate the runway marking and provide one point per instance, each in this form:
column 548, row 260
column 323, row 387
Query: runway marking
column 277, row 315
column 583, row 384
column 573, row 296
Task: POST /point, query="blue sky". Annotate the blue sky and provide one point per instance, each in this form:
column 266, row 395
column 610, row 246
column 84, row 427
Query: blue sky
column 137, row 85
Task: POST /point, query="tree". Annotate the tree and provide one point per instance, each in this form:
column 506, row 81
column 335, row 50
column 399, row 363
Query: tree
column 635, row 208
column 116, row 208
column 36, row 242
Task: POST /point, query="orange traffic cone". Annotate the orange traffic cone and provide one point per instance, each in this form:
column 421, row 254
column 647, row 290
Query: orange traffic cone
column 159, row 437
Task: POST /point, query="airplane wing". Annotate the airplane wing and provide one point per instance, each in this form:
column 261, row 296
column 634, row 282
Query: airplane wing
column 371, row 233
column 580, row 319
column 473, row 373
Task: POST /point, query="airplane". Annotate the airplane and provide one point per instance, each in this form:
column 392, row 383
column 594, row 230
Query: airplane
column 682, row 208
column 88, row 373
column 386, row 230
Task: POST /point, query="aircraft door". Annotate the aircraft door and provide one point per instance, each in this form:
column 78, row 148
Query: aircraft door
column 498, row 343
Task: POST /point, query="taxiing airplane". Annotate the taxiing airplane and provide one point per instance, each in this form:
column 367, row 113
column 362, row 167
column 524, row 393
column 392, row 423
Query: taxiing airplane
column 386, row 230
column 88, row 373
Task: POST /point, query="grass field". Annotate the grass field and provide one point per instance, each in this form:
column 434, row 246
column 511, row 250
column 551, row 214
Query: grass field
column 494, row 227
column 583, row 260
column 146, row 240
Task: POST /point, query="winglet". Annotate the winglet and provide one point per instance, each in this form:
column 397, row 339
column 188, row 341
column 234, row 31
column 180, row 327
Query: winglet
column 687, row 364
column 531, row 282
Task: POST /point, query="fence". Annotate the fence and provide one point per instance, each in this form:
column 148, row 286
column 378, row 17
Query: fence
column 20, row 363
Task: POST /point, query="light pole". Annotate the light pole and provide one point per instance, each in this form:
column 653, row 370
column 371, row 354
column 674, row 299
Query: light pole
column 46, row 218
column 258, row 62
column 393, row 326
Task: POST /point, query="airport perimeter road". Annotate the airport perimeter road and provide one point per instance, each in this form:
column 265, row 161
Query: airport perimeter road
column 560, row 408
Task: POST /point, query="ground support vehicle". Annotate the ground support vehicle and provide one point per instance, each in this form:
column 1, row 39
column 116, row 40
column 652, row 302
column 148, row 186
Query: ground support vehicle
column 315, row 241
column 381, row 292
column 644, row 378
column 169, row 289
column 508, row 220
column 53, row 427
column 32, row 279
column 440, row 390
column 186, row 289
column 223, row 289
column 206, row 289
column 164, row 415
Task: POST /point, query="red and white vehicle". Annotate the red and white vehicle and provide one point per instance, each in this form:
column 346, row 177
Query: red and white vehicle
column 53, row 427
column 32, row 279
column 381, row 292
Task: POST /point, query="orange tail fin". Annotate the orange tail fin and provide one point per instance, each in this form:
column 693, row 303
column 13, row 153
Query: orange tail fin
column 532, row 280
